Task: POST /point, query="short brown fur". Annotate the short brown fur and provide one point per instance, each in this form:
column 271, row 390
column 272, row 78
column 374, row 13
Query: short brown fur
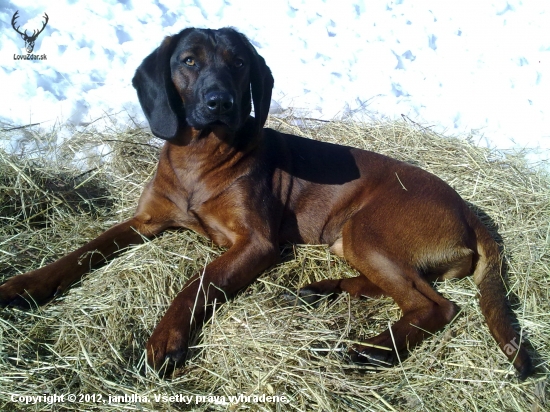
column 251, row 189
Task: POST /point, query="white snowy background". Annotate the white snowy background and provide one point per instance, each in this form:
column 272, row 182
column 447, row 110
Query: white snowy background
column 481, row 66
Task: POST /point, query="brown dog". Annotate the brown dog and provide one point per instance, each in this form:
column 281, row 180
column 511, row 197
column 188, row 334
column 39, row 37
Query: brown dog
column 251, row 189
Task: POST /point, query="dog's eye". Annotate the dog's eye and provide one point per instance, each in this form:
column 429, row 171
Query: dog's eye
column 189, row 61
column 238, row 63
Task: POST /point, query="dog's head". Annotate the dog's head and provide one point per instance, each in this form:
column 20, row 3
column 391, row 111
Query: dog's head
column 202, row 78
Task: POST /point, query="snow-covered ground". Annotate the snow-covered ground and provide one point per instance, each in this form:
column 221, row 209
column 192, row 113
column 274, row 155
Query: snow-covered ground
column 460, row 66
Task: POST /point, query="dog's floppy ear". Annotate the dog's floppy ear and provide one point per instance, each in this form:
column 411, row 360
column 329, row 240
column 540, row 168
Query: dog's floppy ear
column 261, row 81
column 156, row 93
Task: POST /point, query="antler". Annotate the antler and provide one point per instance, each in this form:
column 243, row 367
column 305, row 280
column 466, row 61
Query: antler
column 13, row 24
column 35, row 35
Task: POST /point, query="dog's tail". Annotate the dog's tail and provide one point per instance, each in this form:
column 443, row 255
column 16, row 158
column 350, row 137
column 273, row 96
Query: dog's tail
column 494, row 304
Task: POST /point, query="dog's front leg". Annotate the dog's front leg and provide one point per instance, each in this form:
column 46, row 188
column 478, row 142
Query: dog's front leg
column 225, row 276
column 40, row 285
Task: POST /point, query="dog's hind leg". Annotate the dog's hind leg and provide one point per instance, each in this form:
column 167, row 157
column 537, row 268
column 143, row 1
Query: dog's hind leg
column 390, row 270
column 424, row 310
column 357, row 287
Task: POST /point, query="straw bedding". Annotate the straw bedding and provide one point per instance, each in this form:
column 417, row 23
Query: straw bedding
column 91, row 341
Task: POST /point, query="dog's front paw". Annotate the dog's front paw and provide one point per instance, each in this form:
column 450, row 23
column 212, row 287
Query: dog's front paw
column 167, row 346
column 27, row 289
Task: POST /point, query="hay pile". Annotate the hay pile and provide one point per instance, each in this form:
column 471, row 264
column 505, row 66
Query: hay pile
column 90, row 342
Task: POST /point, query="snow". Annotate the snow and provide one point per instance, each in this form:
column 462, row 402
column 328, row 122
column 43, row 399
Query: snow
column 457, row 66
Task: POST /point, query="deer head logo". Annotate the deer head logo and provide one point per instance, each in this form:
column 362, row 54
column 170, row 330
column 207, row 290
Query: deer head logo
column 29, row 40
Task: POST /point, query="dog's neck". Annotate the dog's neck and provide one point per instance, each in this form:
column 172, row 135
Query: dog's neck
column 197, row 152
column 241, row 139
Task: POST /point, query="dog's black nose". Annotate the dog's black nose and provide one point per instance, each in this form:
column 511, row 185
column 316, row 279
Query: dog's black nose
column 219, row 102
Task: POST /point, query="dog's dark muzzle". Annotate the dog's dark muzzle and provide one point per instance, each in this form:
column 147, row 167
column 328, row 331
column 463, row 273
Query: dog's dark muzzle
column 219, row 103
column 215, row 108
